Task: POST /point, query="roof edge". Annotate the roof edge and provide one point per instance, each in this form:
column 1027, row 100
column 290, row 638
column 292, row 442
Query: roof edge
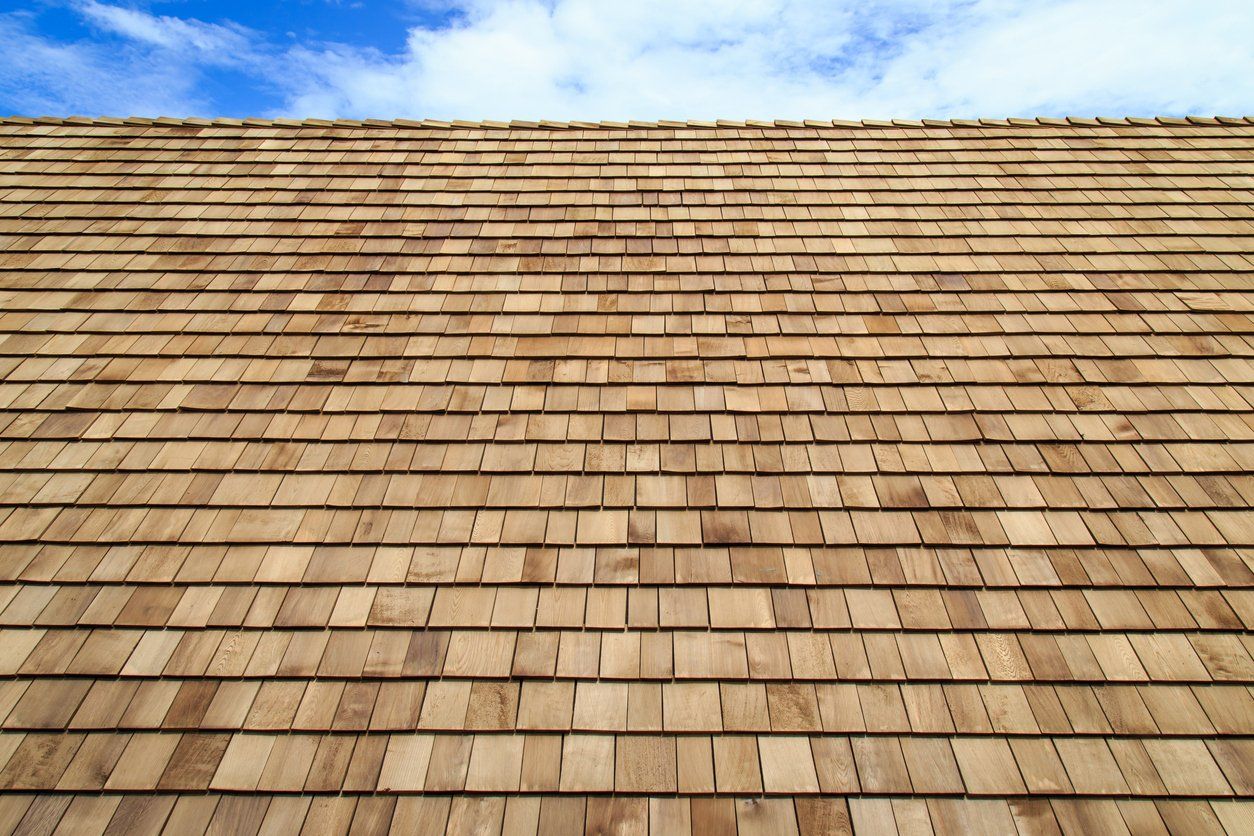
column 488, row 124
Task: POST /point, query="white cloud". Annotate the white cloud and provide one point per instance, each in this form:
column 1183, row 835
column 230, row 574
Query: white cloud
column 41, row 76
column 649, row 59
column 216, row 42
column 1108, row 57
column 152, row 65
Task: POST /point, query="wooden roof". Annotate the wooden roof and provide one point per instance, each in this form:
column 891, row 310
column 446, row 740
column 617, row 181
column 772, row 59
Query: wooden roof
column 564, row 477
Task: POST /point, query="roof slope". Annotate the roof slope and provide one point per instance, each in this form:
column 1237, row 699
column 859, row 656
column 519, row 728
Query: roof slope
column 613, row 478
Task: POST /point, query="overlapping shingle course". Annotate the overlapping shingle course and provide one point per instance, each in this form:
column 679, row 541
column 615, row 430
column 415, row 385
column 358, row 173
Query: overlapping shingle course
column 574, row 477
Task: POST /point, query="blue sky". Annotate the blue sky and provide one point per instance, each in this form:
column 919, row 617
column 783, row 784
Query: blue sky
column 626, row 59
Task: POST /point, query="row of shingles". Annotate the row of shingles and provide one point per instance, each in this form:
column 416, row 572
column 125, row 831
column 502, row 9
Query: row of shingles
column 868, row 298
column 875, row 190
column 818, row 205
column 511, row 223
column 810, row 293
column 570, row 815
column 491, row 129
column 702, row 192
column 604, row 402
column 807, row 231
column 739, row 607
column 437, row 158
column 854, row 294
column 648, row 353
column 891, row 708
column 799, row 293
column 407, row 164
column 411, row 255
column 1099, row 350
column 1183, row 307
column 597, row 155
column 642, row 360
column 838, row 283
column 746, row 313
column 1208, row 177
column 967, row 242
column 865, row 191
column 596, row 338
column 692, row 222
column 628, row 764
column 780, row 452
column 456, row 145
column 616, row 265
column 872, row 188
column 541, row 377
column 1108, row 207
column 521, row 360
column 606, row 567
column 440, row 148
column 651, row 387
column 621, row 408
column 723, row 498
column 949, row 656
column 512, row 815
column 702, row 255
column 808, row 427
column 28, row 319
column 708, row 204
column 434, row 155
column 1115, row 212
column 814, row 422
column 583, row 475
column 830, row 429
column 142, row 525
column 1115, row 220
column 820, row 177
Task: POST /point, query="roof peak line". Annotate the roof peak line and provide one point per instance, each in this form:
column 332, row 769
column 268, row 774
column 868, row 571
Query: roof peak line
column 488, row 124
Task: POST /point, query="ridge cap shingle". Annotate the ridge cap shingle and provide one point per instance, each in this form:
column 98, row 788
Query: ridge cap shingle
column 609, row 124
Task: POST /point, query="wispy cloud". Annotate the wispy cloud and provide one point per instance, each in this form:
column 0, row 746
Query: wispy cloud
column 206, row 41
column 41, row 75
column 701, row 58
column 592, row 59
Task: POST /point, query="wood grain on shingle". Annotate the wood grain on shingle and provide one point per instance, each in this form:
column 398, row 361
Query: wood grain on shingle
column 678, row 477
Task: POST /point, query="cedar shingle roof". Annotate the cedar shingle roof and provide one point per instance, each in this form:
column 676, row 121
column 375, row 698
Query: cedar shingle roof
column 612, row 477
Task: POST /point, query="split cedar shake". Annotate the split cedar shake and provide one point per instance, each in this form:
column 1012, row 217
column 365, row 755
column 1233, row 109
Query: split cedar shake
column 584, row 478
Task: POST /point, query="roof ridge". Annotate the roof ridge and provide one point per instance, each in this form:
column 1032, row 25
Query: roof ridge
column 489, row 124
